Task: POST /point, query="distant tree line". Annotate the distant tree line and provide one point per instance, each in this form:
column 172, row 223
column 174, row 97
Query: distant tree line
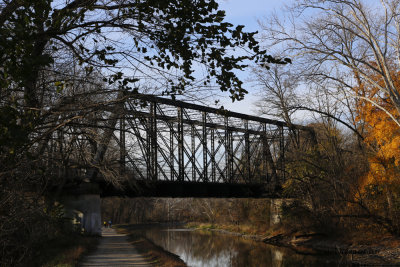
column 253, row 213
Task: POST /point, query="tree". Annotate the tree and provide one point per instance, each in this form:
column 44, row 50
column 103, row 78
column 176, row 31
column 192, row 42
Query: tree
column 140, row 35
column 130, row 45
column 277, row 88
column 349, row 50
column 380, row 187
column 382, row 133
column 66, row 64
column 338, row 40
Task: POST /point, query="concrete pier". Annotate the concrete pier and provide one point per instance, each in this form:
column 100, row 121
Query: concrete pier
column 87, row 207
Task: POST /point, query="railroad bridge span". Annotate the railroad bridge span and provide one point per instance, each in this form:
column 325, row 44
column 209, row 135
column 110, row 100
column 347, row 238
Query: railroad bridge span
column 171, row 148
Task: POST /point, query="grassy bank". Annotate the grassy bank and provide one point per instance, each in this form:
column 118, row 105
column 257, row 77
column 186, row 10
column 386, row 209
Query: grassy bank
column 358, row 248
column 242, row 229
column 156, row 253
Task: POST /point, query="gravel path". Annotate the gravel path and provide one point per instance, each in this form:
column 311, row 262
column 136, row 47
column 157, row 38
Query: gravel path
column 115, row 250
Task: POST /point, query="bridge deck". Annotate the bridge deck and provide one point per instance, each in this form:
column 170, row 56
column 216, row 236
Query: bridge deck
column 190, row 189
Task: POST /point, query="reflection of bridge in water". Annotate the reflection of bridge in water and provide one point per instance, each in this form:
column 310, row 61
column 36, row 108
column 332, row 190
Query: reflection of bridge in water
column 173, row 148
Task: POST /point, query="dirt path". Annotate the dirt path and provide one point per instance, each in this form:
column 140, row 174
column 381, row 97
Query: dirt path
column 115, row 250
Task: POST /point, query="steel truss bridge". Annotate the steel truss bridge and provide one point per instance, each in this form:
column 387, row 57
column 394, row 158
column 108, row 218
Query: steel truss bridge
column 178, row 149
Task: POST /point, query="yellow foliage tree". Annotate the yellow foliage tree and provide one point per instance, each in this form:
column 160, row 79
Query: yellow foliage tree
column 380, row 187
column 382, row 132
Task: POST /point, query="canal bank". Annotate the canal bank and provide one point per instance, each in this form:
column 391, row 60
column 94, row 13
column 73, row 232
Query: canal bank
column 381, row 252
column 217, row 248
column 254, row 220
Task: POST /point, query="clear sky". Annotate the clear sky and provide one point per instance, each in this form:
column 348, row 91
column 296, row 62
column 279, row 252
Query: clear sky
column 247, row 12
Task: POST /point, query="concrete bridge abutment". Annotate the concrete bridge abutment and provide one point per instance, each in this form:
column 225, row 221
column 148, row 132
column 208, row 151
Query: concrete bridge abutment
column 83, row 208
column 275, row 210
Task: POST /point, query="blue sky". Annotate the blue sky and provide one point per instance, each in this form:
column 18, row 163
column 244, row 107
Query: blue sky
column 247, row 12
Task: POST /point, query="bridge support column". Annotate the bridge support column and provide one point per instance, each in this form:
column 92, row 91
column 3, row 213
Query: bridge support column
column 275, row 212
column 91, row 214
column 87, row 204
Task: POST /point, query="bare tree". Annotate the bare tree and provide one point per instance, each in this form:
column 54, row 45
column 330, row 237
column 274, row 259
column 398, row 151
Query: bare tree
column 342, row 46
column 277, row 89
column 332, row 38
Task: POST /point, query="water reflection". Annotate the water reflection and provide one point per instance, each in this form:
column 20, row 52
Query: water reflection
column 205, row 248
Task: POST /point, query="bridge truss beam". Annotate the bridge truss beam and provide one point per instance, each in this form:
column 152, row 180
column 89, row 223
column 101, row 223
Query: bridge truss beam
column 174, row 141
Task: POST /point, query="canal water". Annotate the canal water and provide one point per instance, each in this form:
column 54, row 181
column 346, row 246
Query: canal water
column 208, row 248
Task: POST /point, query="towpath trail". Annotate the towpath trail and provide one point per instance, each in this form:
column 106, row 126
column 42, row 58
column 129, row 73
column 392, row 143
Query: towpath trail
column 115, row 250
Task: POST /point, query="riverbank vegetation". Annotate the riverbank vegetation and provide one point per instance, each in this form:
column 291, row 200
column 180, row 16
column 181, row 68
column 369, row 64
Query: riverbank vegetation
column 346, row 70
column 253, row 220
column 65, row 251
column 250, row 215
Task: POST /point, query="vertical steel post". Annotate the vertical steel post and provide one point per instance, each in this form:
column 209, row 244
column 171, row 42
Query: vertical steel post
column 193, row 153
column 213, row 178
column 227, row 150
column 154, row 163
column 282, row 155
column 180, row 145
column 247, row 150
column 231, row 139
column 205, row 160
column 265, row 152
column 122, row 145
column 171, row 151
column 149, row 166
